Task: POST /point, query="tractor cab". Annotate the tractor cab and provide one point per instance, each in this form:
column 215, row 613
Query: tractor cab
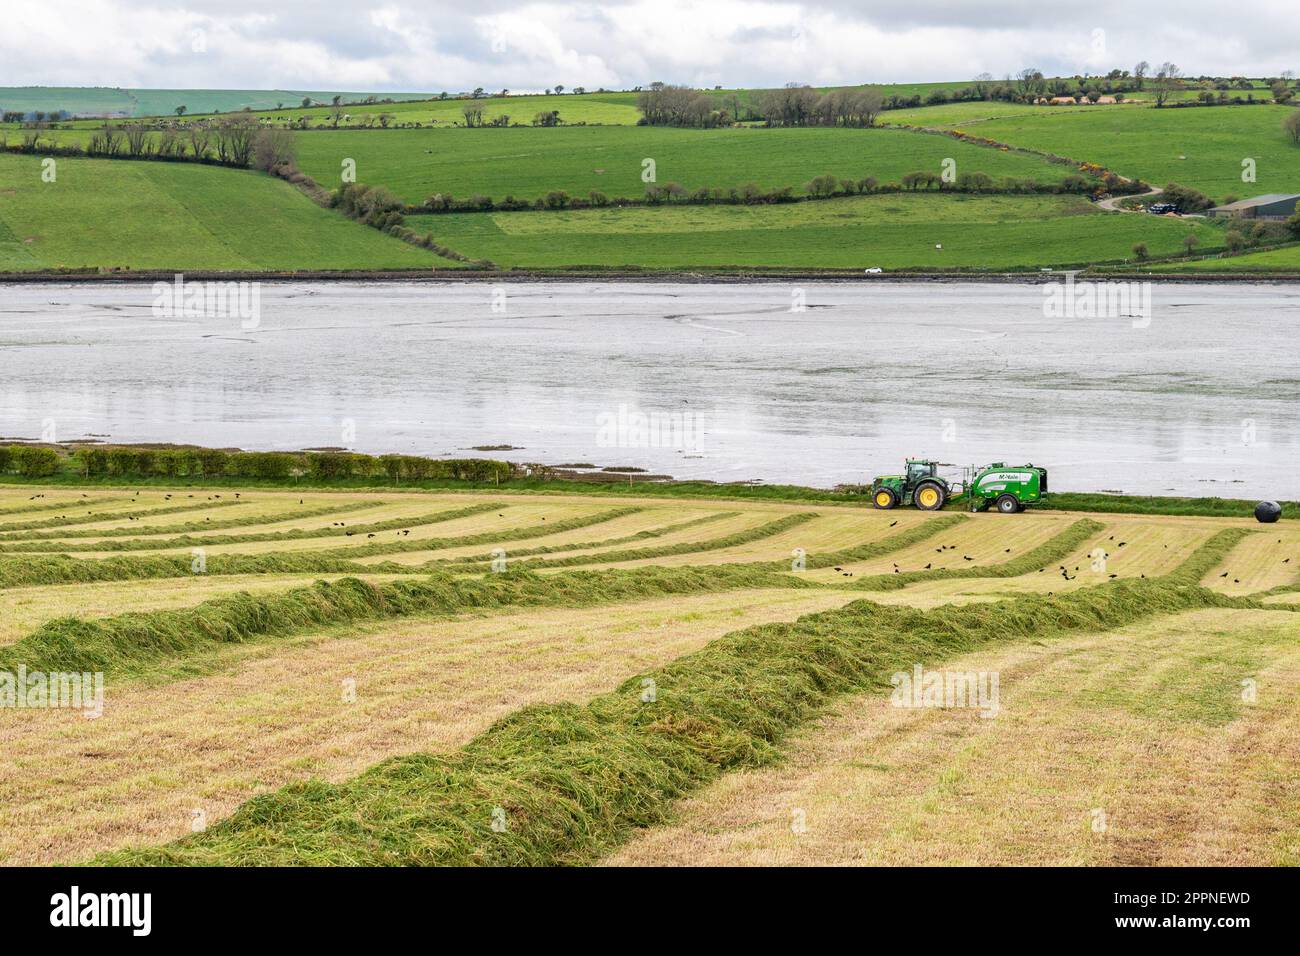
column 919, row 469
column 919, row 485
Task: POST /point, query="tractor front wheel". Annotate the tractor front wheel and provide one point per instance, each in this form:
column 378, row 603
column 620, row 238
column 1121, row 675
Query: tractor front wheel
column 884, row 498
column 1008, row 504
column 929, row 496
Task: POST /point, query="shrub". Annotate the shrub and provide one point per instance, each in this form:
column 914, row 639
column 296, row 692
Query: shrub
column 328, row 465
column 35, row 462
column 822, row 186
column 212, row 462
column 1140, row 250
column 1186, row 198
column 92, row 461
column 6, row 455
column 121, row 461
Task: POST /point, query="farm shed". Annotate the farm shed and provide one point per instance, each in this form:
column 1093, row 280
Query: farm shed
column 1270, row 206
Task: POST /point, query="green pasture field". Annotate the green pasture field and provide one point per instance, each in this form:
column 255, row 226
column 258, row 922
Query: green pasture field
column 1285, row 259
column 1202, row 147
column 527, row 163
column 153, row 215
column 616, row 109
column 891, row 231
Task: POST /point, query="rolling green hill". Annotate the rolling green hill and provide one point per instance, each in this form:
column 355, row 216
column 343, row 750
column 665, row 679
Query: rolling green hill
column 150, row 215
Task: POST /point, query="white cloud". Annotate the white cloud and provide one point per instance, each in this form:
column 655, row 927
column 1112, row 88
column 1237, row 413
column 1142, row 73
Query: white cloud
column 408, row 45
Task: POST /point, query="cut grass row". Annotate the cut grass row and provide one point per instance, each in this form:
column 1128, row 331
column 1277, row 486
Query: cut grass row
column 571, row 782
column 94, row 517
column 295, row 534
column 122, row 644
column 128, row 644
column 182, row 527
column 62, row 569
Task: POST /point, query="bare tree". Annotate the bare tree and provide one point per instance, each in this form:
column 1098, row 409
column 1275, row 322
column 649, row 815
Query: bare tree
column 473, row 113
column 200, row 140
column 235, row 140
column 1291, row 124
column 273, row 147
column 1168, row 79
column 1140, row 74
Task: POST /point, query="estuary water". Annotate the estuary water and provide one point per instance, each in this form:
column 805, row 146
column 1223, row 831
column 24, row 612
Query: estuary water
column 817, row 384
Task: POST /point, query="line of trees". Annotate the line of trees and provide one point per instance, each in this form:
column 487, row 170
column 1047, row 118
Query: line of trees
column 233, row 141
column 801, row 105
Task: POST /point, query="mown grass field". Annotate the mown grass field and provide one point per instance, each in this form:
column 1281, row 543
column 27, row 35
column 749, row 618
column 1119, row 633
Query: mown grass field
column 886, row 231
column 355, row 656
column 107, row 214
column 528, row 163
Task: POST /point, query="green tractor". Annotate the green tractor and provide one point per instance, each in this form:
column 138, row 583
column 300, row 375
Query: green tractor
column 919, row 485
column 1006, row 488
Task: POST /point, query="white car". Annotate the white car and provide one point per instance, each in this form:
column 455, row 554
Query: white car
column 874, row 270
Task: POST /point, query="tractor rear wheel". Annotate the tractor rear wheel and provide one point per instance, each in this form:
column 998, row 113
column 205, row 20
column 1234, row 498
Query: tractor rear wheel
column 929, row 496
column 1008, row 504
column 884, row 498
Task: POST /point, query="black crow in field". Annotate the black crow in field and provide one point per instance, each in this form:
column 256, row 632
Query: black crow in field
column 838, row 568
column 892, row 523
column 370, row 535
column 1224, row 574
column 1008, row 551
column 927, row 567
column 967, row 557
column 1122, row 543
column 1114, row 575
column 1236, row 580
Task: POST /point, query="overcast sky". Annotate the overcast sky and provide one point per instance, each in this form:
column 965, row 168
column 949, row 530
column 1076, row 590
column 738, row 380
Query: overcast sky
column 522, row 45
